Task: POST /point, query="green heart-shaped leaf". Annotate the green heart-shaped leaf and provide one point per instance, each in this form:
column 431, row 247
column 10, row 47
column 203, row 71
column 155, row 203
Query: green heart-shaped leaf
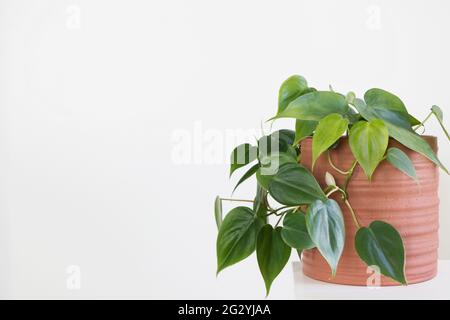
column 290, row 89
column 294, row 231
column 382, row 246
column 325, row 225
column 272, row 253
column 315, row 106
column 368, row 142
column 270, row 165
column 242, row 155
column 303, row 129
column 237, row 237
column 389, row 107
column 401, row 161
column 218, row 211
column 404, row 136
column 328, row 131
column 295, row 185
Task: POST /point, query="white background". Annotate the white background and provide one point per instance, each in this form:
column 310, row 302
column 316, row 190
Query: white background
column 94, row 95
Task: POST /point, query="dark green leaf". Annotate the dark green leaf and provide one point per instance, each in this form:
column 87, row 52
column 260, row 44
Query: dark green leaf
column 247, row 175
column 328, row 131
column 389, row 107
column 325, row 225
column 294, row 231
column 368, row 141
column 294, row 185
column 242, row 155
column 260, row 203
column 382, row 246
column 272, row 253
column 290, row 89
column 405, row 137
column 303, row 129
column 271, row 164
column 218, row 211
column 401, row 161
column 315, row 106
column 237, row 237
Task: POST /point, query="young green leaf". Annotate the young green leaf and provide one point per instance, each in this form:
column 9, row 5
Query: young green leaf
column 407, row 138
column 237, row 237
column 315, row 106
column 440, row 117
column 294, row 232
column 295, row 185
column 247, row 175
column 218, row 211
column 325, row 225
column 368, row 142
column 438, row 113
column 242, row 155
column 382, row 246
column 290, row 89
column 328, row 131
column 389, row 107
column 303, row 129
column 272, row 254
column 401, row 161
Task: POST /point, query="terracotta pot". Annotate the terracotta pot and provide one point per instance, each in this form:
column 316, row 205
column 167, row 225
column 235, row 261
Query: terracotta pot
column 412, row 208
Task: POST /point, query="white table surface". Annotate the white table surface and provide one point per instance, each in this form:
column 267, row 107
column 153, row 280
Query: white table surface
column 437, row 288
column 246, row 283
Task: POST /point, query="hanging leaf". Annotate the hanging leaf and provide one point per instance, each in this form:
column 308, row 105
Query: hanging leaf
column 389, row 107
column 315, row 106
column 382, row 246
column 247, row 175
column 438, row 113
column 290, row 89
column 325, row 225
column 294, row 232
column 368, row 142
column 407, row 138
column 328, row 131
column 295, row 185
column 440, row 117
column 271, row 165
column 401, row 161
column 272, row 253
column 237, row 237
column 218, row 211
column 242, row 155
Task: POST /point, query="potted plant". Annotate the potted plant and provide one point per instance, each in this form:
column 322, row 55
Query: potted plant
column 355, row 187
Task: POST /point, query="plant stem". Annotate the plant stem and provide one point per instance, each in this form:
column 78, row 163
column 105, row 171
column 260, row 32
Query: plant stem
column 276, row 210
column 349, row 177
column 333, row 166
column 279, row 220
column 237, row 200
column 355, row 219
column 422, row 124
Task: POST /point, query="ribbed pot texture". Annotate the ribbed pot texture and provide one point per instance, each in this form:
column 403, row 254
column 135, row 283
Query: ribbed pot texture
column 412, row 208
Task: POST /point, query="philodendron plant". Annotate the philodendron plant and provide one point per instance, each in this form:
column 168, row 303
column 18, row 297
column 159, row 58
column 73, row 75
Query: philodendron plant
column 305, row 216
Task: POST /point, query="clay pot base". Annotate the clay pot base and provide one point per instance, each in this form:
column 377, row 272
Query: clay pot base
column 412, row 208
column 315, row 267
